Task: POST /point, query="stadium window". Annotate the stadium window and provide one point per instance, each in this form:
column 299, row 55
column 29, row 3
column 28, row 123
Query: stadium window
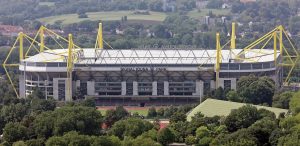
column 227, row 84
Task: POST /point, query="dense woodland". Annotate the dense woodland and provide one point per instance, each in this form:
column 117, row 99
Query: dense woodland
column 36, row 121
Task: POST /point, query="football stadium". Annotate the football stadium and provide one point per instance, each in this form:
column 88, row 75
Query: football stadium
column 146, row 76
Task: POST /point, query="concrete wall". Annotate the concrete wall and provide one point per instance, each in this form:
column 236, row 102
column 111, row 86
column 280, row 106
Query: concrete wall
column 22, row 89
column 123, row 84
column 135, row 88
column 154, row 88
column 166, row 88
column 91, row 87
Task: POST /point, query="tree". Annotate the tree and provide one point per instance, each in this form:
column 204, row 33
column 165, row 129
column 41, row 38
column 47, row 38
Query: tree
column 282, row 100
column 233, row 96
column 165, row 136
column 214, row 4
column 13, row 112
column 75, row 139
column 35, row 142
column 219, row 94
column 295, row 103
column 161, row 112
column 13, row 132
column 40, row 105
column 202, row 132
column 89, row 102
column 190, row 140
column 178, row 116
column 132, row 127
column 84, row 120
column 56, row 141
column 106, row 141
column 112, row 115
column 160, row 31
column 152, row 112
column 241, row 137
column 242, row 117
column 256, row 90
column 19, row 143
column 187, row 39
column 262, row 130
column 140, row 141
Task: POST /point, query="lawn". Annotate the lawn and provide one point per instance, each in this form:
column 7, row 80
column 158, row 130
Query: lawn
column 139, row 110
column 203, row 12
column 50, row 4
column 105, row 16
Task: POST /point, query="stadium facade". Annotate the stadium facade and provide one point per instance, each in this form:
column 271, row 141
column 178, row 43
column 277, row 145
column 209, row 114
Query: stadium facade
column 140, row 75
column 145, row 76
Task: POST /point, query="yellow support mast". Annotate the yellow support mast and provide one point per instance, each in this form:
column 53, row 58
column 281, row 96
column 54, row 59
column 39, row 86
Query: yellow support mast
column 42, row 39
column 21, row 36
column 69, row 68
column 218, row 59
column 275, row 47
column 233, row 37
column 99, row 41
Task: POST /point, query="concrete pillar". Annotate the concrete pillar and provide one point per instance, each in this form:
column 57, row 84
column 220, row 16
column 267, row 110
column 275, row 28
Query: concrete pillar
column 123, row 88
column 233, row 83
column 135, row 88
column 55, row 88
column 68, row 97
column 166, row 88
column 154, row 88
column 212, row 84
column 221, row 82
column 77, row 83
column 22, row 88
column 91, row 87
column 199, row 88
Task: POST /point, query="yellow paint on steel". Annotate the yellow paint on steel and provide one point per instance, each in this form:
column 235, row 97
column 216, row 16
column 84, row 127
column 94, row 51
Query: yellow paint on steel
column 233, row 37
column 69, row 68
column 275, row 46
column 21, row 54
column 218, row 59
column 42, row 39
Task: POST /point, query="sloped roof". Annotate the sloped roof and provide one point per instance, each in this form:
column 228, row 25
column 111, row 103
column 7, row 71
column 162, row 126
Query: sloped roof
column 214, row 107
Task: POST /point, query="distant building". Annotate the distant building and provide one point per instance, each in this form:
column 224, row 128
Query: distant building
column 169, row 5
column 226, row 6
column 10, row 30
column 201, row 4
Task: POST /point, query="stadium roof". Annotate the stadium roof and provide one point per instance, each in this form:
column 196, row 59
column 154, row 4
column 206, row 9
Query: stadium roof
column 154, row 56
column 213, row 107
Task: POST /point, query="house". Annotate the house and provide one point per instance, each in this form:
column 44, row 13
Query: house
column 10, row 30
column 169, row 5
column 201, row 4
column 247, row 1
column 226, row 6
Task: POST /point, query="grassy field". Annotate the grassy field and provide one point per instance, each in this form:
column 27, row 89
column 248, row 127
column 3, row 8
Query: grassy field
column 117, row 15
column 105, row 16
column 140, row 111
column 195, row 14
column 50, row 4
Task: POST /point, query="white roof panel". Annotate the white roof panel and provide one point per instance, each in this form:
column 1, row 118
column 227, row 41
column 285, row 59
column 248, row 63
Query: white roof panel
column 154, row 56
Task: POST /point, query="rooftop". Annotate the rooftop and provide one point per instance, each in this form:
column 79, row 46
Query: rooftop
column 213, row 107
column 152, row 56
